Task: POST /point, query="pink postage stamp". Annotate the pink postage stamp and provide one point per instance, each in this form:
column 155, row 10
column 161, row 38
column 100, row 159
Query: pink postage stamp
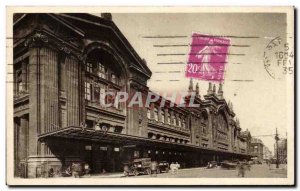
column 207, row 57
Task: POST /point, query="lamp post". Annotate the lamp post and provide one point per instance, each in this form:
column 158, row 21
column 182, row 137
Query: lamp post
column 277, row 160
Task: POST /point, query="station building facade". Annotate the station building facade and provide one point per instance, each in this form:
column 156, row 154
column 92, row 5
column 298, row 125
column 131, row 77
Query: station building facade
column 62, row 65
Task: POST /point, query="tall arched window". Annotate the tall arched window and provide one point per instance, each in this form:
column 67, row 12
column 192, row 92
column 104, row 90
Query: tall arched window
column 204, row 123
column 103, row 75
column 222, row 128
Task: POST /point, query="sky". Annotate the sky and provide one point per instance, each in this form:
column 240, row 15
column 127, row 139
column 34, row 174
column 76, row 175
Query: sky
column 260, row 102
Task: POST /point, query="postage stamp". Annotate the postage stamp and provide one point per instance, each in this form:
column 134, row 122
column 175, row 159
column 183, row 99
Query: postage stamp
column 207, row 57
column 128, row 96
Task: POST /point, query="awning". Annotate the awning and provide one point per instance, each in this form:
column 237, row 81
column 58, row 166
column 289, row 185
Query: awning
column 89, row 134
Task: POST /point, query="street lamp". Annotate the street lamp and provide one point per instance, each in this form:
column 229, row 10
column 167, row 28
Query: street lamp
column 277, row 139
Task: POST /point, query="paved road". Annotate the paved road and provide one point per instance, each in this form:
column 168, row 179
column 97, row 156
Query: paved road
column 256, row 171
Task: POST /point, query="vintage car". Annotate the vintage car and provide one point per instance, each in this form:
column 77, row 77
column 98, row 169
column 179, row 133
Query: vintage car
column 163, row 166
column 229, row 165
column 138, row 166
column 212, row 164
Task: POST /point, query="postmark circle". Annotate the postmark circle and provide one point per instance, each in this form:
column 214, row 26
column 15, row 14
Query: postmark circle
column 279, row 58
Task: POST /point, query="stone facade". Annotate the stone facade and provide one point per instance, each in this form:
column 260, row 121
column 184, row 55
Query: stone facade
column 256, row 149
column 63, row 63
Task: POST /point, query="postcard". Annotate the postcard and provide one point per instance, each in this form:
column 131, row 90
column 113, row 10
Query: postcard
column 158, row 96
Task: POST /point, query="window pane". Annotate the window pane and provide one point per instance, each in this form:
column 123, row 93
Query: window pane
column 87, row 88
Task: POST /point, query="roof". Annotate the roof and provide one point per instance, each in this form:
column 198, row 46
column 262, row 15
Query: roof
column 81, row 24
column 78, row 18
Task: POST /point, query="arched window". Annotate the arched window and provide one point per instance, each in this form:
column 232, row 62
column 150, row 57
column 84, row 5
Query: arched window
column 162, row 115
column 169, row 118
column 174, row 121
column 204, row 123
column 183, row 123
column 103, row 75
column 155, row 114
column 222, row 126
column 148, row 113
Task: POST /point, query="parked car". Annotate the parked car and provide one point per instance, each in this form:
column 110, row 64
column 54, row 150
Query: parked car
column 138, row 166
column 228, row 165
column 258, row 162
column 212, row 164
column 250, row 162
column 163, row 166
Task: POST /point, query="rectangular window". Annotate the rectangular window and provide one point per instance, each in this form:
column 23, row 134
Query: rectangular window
column 114, row 79
column 19, row 81
column 102, row 96
column 89, row 67
column 87, row 91
column 97, row 94
column 101, row 70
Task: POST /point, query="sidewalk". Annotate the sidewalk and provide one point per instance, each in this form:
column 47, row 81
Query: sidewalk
column 105, row 175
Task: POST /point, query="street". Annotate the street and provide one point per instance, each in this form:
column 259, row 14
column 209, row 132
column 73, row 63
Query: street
column 256, row 171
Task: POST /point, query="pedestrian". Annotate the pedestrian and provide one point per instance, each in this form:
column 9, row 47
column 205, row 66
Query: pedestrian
column 153, row 168
column 68, row 171
column 241, row 169
column 76, row 170
column 87, row 169
column 238, row 167
column 177, row 166
column 172, row 167
column 269, row 164
column 51, row 173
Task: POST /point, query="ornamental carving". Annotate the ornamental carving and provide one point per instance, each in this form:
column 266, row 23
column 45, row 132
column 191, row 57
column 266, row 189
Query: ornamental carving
column 36, row 39
column 39, row 38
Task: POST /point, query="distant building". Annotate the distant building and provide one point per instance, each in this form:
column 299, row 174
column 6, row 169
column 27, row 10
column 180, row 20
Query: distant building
column 246, row 136
column 282, row 151
column 256, row 148
column 267, row 154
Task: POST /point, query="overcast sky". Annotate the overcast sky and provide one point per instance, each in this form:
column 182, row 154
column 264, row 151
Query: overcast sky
column 260, row 103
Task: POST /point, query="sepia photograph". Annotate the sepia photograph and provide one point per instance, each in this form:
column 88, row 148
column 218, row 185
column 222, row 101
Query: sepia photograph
column 150, row 96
